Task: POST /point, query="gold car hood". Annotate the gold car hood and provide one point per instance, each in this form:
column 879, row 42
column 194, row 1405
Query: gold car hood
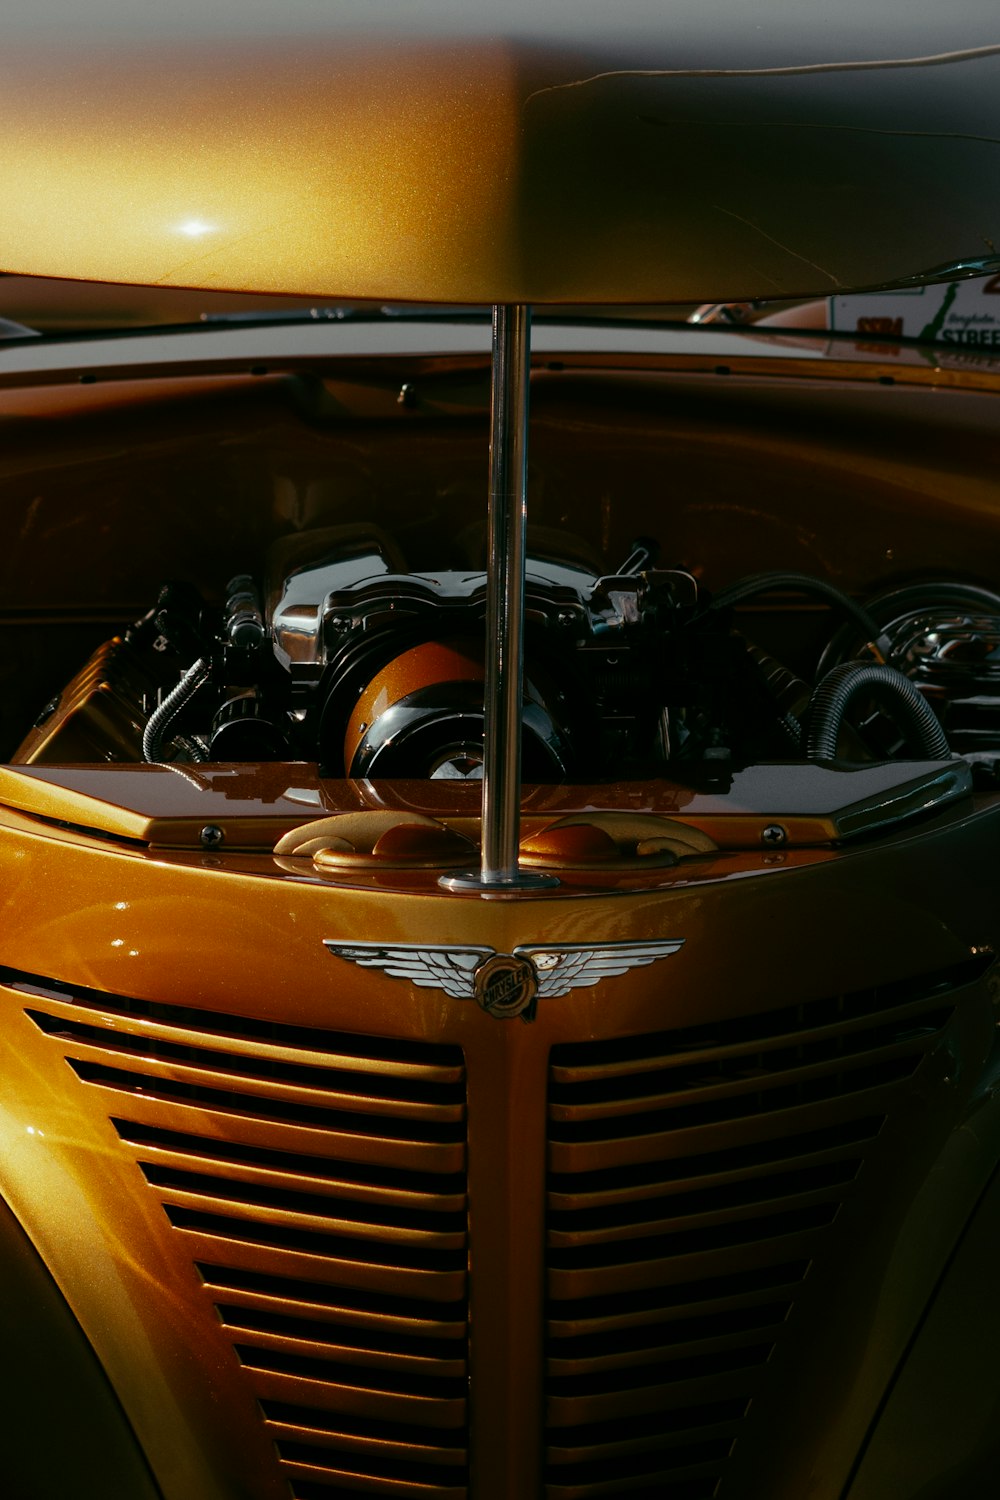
column 547, row 152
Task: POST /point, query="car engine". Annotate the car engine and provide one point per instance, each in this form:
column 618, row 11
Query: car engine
column 341, row 655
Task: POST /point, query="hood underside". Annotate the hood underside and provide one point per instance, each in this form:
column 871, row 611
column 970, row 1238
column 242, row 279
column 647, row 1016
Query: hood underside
column 657, row 153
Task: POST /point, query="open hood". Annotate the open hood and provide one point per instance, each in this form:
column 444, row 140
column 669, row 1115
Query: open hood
column 669, row 152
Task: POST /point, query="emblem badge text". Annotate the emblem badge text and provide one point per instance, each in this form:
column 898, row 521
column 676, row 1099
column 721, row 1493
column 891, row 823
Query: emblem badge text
column 506, row 986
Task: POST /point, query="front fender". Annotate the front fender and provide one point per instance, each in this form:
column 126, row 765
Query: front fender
column 62, row 1430
column 937, row 1436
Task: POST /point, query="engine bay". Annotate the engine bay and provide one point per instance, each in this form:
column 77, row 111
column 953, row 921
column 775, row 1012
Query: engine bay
column 341, row 655
column 764, row 622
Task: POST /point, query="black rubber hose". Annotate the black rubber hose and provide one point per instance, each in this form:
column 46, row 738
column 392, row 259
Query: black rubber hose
column 769, row 583
column 829, row 702
column 163, row 717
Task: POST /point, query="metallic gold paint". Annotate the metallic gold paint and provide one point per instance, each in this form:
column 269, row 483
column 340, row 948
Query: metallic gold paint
column 500, row 170
column 58, row 1387
column 265, row 171
column 128, row 1274
column 255, row 809
column 421, row 666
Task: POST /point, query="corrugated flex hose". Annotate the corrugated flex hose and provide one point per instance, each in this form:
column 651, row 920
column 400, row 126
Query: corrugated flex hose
column 162, row 718
column 830, row 700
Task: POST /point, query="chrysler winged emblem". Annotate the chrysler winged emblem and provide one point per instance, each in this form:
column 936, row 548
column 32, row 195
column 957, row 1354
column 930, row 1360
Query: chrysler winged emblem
column 504, row 984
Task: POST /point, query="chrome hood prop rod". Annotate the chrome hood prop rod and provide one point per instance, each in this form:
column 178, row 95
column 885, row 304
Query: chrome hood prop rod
column 504, row 687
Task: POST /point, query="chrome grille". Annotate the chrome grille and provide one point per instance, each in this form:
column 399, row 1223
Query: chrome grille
column 318, row 1182
column 691, row 1177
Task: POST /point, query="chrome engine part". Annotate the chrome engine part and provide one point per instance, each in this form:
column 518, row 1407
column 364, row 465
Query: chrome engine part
column 946, row 639
column 386, row 665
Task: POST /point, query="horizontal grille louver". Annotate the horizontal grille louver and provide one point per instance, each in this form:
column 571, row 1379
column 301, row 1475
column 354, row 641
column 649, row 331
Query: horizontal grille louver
column 318, row 1180
column 691, row 1176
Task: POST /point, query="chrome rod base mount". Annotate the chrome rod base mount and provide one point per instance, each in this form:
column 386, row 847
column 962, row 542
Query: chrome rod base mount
column 473, row 881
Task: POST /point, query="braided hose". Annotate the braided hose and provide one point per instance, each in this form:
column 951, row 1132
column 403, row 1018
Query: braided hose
column 194, row 745
column 162, row 718
column 792, row 730
column 829, row 702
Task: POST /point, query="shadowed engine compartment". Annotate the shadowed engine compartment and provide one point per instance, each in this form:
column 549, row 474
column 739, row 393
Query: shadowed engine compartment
column 290, row 629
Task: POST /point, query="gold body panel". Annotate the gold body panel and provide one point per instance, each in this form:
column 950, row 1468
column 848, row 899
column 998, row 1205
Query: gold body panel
column 319, row 1230
column 466, row 154
column 260, row 1173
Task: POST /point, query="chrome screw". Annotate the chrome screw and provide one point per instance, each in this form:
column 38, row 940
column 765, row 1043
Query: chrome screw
column 774, row 835
column 211, row 836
